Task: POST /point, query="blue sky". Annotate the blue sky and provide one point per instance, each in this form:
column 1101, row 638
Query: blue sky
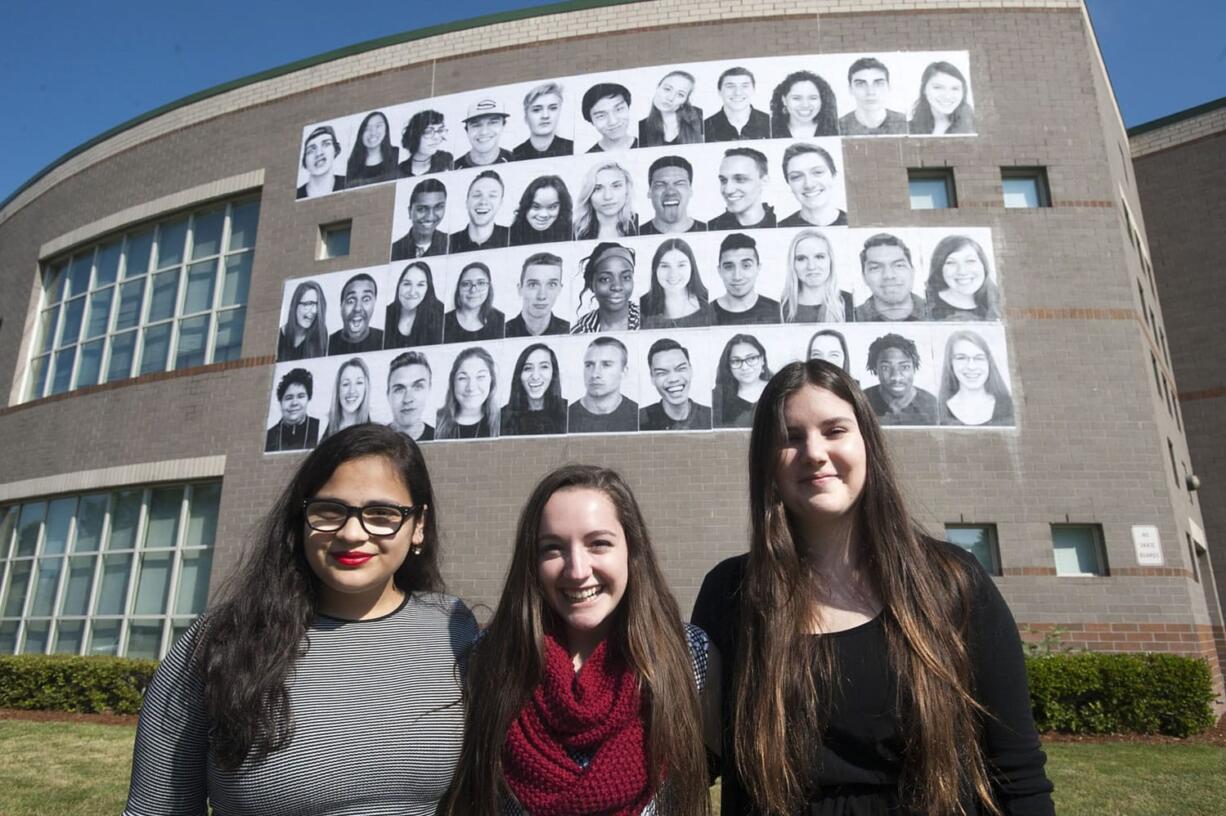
column 74, row 69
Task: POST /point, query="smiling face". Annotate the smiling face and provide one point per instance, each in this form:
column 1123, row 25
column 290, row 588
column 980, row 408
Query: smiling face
column 544, row 209
column 736, row 91
column 613, row 284
column 944, row 93
column 539, row 289
column 821, row 466
column 426, row 213
column 473, row 288
column 294, row 403
column 888, row 274
column 357, row 305
column 828, row 348
column 307, row 310
column 802, row 102
column 408, row 389
column 374, row 132
column 484, row 133
column 351, row 563
column 811, row 180
column 351, row 387
column 543, row 113
column 970, row 364
column 738, row 269
column 811, row 263
column 870, row 87
column 471, row 385
column 603, row 369
column 412, row 289
column 963, row 271
column 609, row 192
column 536, row 374
column 611, row 116
column 896, row 373
column 672, row 92
column 671, row 375
column 674, row 271
column 746, row 363
column 740, row 183
column 583, row 563
column 484, row 199
column 319, row 155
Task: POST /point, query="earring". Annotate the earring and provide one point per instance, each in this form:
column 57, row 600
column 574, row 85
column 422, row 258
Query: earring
column 415, row 549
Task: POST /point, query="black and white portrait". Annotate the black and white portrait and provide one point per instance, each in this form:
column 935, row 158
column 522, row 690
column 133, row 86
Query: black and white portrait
column 295, row 429
column 304, row 323
column 320, row 152
column 535, row 405
column 672, row 369
column 415, row 315
column 484, row 197
column 359, row 299
column 887, row 267
column 541, row 285
column 868, row 83
column 743, row 182
column 605, row 107
column 424, row 203
column 974, row 388
column 409, row 382
column 901, row 366
column 604, row 406
column 739, row 267
column 737, row 119
column 548, row 122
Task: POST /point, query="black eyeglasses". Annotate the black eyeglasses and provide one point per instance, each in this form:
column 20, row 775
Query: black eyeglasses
column 329, row 516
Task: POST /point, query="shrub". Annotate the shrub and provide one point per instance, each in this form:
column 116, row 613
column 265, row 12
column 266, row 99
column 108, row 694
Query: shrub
column 1092, row 693
column 86, row 685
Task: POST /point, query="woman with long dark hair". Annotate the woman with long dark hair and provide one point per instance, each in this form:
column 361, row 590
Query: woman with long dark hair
column 869, row 668
column 536, row 406
column 423, row 138
column 673, row 120
column 544, row 213
column 740, row 377
column 942, row 107
column 831, row 346
column 803, row 104
column 415, row 316
column 373, row 158
column 584, row 692
column 973, row 392
column 474, row 317
column 324, row 679
column 468, row 410
column 959, row 286
column 677, row 298
column 305, row 333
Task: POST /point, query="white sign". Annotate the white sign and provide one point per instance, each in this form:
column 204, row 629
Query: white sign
column 1148, row 546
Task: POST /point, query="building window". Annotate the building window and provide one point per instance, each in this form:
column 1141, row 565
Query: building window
column 980, row 541
column 114, row 573
column 167, row 296
column 932, row 188
column 334, row 240
column 1170, row 448
column 1192, row 557
column 1025, row 187
column 1079, row 549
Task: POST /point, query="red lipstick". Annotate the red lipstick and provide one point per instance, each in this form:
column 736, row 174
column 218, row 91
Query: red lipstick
column 350, row 558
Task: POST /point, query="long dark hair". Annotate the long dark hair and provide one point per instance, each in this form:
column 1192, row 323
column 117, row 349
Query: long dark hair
column 689, row 119
column 653, row 301
column 995, row 383
column 987, row 296
column 315, row 343
column 523, row 232
column 554, row 403
column 782, row 673
column 726, row 385
column 827, row 118
column 506, row 665
column 357, row 168
column 253, row 637
column 415, row 128
column 923, row 120
column 429, row 304
column 446, row 426
column 483, row 311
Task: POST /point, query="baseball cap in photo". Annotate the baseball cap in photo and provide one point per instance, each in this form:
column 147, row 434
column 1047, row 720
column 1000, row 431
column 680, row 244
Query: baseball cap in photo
column 486, row 106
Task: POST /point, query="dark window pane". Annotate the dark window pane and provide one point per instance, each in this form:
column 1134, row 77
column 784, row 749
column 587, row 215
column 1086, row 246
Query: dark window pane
column 99, row 312
column 91, row 513
column 162, row 528
column 62, row 378
column 70, row 328
column 89, row 367
column 144, row 639
column 59, row 522
column 45, row 586
column 8, row 523
column 76, row 590
column 104, row 638
column 172, row 235
column 37, row 635
column 336, row 241
column 229, row 342
column 206, row 233
column 136, row 258
column 156, row 345
column 130, row 296
column 78, row 273
column 38, row 376
column 152, row 584
column 106, row 265
column 243, row 220
column 122, row 348
column 53, row 284
column 198, row 294
column 29, row 526
column 68, row 635
column 236, row 280
column 977, row 540
column 113, row 585
column 193, row 591
column 19, row 581
column 165, row 293
column 125, row 517
column 193, row 341
column 202, row 519
column 46, row 329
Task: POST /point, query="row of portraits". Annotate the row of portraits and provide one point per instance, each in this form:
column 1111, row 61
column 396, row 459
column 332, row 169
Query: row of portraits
column 758, row 277
column 664, row 191
column 686, row 380
column 921, row 93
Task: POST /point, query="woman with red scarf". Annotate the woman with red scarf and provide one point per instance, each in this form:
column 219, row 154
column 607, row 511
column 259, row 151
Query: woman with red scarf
column 587, row 693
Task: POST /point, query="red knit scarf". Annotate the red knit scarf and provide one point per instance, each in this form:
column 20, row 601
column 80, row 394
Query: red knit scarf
column 592, row 713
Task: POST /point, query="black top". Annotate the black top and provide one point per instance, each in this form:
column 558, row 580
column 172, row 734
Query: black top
column 764, row 310
column 465, row 162
column 339, row 344
column 453, row 332
column 717, row 128
column 461, row 242
column 517, row 328
column 624, row 418
column 653, row 418
column 440, row 160
column 338, row 184
column 427, row 328
column 728, row 221
column 735, row 412
column 558, row 147
column 405, row 247
column 596, row 148
column 797, row 219
column 650, row 228
column 531, row 423
column 862, row 754
column 283, row 437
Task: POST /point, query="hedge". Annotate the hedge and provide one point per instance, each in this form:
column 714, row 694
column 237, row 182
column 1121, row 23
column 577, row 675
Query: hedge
column 86, row 685
column 1093, row 693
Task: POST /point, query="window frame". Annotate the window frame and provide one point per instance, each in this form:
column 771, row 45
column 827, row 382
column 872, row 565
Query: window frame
column 334, row 228
column 945, row 175
column 991, row 539
column 1036, row 174
column 1097, row 541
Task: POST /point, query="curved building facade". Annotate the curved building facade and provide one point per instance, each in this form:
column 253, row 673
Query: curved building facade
column 589, row 233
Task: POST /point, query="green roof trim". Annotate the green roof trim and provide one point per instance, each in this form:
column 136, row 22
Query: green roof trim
column 328, row 56
column 1137, row 130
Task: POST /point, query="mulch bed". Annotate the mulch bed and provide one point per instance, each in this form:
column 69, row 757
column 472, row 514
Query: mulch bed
column 67, row 716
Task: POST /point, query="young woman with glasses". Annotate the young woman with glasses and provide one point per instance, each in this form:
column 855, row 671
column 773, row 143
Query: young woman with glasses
column 325, row 678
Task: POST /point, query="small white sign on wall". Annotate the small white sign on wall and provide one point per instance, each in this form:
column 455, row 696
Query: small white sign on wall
column 1148, row 546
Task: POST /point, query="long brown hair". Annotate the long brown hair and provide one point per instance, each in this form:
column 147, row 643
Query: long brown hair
column 782, row 672
column 506, row 664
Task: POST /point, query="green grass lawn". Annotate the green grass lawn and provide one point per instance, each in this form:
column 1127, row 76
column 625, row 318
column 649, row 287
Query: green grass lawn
column 81, row 769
